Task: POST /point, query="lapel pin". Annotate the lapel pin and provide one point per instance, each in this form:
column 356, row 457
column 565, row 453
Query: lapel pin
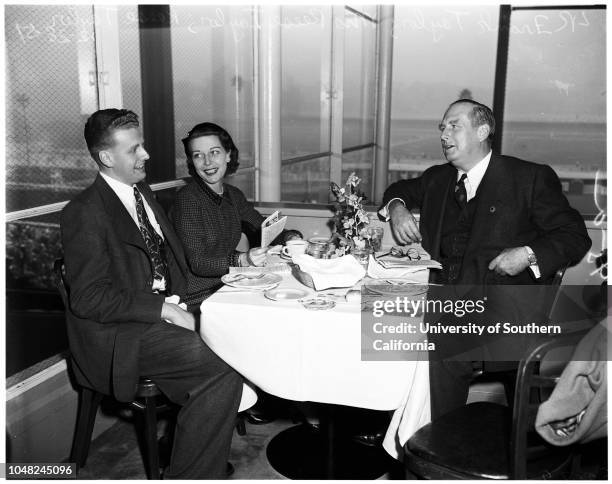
column 492, row 209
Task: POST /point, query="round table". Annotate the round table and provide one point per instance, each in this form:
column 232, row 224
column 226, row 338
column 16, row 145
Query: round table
column 297, row 354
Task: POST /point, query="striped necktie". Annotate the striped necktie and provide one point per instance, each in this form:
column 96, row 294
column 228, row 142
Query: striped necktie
column 461, row 192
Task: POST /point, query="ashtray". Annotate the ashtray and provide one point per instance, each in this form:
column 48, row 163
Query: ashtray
column 318, row 303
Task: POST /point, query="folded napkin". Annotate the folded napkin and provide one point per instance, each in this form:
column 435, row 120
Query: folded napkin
column 402, row 270
column 343, row 271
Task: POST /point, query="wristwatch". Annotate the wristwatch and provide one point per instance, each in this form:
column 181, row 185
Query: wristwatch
column 533, row 262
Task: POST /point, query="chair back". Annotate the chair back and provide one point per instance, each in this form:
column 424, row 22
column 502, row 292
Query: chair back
column 554, row 296
column 59, row 272
column 531, row 384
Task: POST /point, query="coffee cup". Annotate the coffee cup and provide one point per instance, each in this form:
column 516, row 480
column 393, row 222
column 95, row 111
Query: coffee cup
column 294, row 247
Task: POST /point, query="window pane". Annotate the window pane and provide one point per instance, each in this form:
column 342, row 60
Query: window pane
column 359, row 80
column 50, row 91
column 306, row 181
column 440, row 54
column 213, row 76
column 359, row 162
column 306, row 78
column 129, row 58
column 556, row 96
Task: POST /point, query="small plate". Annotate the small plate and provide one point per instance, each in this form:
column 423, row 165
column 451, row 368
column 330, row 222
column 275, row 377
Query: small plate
column 268, row 281
column 285, row 294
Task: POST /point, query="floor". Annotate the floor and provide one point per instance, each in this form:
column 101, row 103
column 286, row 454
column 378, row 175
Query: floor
column 115, row 454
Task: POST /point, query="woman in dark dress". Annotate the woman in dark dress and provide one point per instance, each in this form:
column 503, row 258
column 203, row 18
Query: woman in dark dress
column 210, row 215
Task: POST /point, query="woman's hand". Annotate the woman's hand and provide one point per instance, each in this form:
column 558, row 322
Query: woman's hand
column 257, row 256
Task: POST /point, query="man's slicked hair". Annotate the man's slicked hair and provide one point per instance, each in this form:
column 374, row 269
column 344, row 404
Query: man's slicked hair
column 479, row 115
column 101, row 126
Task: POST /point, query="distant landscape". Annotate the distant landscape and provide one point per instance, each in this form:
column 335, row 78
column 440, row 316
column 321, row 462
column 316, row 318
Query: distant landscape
column 47, row 174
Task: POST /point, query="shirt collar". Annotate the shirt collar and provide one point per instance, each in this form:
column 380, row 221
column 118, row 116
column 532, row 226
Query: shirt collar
column 123, row 191
column 477, row 172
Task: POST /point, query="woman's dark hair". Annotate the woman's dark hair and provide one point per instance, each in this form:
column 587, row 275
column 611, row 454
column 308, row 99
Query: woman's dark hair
column 212, row 129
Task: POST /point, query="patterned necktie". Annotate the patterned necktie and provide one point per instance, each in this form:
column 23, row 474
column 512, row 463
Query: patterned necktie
column 153, row 241
column 461, row 192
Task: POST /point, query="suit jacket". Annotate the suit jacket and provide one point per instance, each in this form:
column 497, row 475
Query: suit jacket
column 109, row 278
column 519, row 203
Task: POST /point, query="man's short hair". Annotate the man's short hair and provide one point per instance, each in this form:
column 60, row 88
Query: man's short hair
column 479, row 115
column 101, row 126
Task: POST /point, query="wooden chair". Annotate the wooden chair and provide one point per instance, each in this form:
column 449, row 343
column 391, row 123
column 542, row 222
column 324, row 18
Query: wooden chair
column 508, row 377
column 146, row 404
column 486, row 440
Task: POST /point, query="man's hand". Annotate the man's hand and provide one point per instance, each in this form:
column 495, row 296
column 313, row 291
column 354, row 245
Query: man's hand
column 175, row 315
column 403, row 223
column 510, row 262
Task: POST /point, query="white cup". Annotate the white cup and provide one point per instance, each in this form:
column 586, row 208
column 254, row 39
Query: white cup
column 294, row 247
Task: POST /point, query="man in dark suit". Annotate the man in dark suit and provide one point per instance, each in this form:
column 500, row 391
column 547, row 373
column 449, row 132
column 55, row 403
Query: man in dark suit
column 126, row 270
column 489, row 219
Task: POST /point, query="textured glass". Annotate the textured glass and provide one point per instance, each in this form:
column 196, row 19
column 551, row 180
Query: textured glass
column 440, row 54
column 359, row 80
column 556, row 97
column 50, row 90
column 212, row 65
column 306, row 80
column 306, row 181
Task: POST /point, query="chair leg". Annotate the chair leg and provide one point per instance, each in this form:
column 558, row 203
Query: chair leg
column 240, row 425
column 150, row 438
column 86, row 417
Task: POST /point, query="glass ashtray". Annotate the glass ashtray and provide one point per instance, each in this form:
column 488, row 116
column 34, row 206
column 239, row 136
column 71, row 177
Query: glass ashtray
column 318, row 303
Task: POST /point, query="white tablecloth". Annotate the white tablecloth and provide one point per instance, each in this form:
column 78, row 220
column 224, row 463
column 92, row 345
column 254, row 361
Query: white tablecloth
column 305, row 355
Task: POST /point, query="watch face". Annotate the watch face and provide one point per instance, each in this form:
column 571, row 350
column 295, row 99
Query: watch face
column 532, row 259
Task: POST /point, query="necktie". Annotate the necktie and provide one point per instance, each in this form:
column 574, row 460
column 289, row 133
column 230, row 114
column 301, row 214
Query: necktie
column 152, row 239
column 460, row 192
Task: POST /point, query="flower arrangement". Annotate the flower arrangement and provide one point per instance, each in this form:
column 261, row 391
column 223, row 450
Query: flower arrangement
column 351, row 220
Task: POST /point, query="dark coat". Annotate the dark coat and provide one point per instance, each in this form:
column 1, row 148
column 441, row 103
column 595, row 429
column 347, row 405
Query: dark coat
column 108, row 272
column 519, row 203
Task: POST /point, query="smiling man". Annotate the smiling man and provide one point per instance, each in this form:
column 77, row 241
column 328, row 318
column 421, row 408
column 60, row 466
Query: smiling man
column 125, row 272
column 489, row 219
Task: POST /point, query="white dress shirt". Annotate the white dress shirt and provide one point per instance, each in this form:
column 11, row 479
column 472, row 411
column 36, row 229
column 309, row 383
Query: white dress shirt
column 126, row 195
column 475, row 176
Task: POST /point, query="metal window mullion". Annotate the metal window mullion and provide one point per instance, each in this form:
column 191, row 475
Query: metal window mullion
column 255, row 33
column 269, row 103
column 327, row 92
column 384, row 81
column 501, row 71
column 337, row 98
column 108, row 78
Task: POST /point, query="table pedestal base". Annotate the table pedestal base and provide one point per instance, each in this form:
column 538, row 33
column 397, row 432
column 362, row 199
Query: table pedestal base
column 303, row 452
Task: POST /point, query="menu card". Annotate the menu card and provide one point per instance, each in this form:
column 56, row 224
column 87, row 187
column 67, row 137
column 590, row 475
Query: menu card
column 271, row 228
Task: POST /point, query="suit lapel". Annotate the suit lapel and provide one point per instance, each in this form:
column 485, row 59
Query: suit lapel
column 490, row 196
column 126, row 228
column 438, row 191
